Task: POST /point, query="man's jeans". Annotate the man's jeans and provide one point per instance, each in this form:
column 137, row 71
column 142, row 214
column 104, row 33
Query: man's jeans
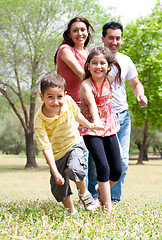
column 92, row 177
column 123, row 136
column 124, row 143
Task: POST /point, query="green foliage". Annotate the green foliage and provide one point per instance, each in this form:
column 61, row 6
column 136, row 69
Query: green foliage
column 154, row 138
column 4, row 107
column 142, row 42
column 12, row 139
column 31, row 31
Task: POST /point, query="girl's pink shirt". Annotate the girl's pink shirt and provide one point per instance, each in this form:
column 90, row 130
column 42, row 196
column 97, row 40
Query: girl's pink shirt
column 73, row 82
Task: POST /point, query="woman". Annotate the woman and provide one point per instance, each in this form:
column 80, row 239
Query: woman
column 72, row 54
column 70, row 58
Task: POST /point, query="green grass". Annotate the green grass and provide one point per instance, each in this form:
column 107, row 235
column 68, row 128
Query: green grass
column 28, row 210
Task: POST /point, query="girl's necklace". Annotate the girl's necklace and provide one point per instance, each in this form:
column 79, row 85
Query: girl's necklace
column 98, row 91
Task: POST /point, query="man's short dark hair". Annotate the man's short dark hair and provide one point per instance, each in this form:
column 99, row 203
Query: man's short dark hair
column 113, row 25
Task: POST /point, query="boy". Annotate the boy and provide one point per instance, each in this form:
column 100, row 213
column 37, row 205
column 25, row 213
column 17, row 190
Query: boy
column 58, row 137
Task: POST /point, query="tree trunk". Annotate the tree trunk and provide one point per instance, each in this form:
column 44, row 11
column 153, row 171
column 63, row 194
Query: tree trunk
column 154, row 150
column 145, row 155
column 159, row 150
column 30, row 153
column 144, row 146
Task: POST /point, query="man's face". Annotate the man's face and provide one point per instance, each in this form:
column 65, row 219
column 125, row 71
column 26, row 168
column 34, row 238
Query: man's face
column 113, row 40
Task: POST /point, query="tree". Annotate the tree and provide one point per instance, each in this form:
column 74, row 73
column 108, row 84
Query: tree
column 142, row 42
column 12, row 139
column 154, row 140
column 30, row 33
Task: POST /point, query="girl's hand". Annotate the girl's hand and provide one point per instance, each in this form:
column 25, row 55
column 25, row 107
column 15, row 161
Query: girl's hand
column 59, row 179
column 98, row 125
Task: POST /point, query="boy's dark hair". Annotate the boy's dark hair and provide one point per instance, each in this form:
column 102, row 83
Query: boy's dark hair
column 113, row 25
column 52, row 80
column 109, row 58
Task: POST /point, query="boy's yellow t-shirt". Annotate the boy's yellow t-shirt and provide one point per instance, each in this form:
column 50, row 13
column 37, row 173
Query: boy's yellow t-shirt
column 60, row 132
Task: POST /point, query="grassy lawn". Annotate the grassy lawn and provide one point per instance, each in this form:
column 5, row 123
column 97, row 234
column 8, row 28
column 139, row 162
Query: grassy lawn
column 28, row 210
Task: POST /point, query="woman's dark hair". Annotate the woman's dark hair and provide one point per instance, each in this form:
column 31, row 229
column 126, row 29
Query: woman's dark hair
column 68, row 40
column 108, row 56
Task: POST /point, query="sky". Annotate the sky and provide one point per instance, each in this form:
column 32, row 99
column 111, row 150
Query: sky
column 130, row 9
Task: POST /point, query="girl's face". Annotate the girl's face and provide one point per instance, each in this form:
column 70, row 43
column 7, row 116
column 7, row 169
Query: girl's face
column 98, row 67
column 78, row 33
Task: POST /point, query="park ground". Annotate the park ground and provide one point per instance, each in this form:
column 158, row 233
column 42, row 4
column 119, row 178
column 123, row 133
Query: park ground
column 28, row 210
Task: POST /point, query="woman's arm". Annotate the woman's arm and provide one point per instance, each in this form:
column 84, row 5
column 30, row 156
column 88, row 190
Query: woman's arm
column 69, row 58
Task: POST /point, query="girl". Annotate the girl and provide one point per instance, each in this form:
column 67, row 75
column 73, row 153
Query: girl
column 95, row 94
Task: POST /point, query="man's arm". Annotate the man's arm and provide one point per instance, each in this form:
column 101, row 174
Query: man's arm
column 138, row 91
column 48, row 153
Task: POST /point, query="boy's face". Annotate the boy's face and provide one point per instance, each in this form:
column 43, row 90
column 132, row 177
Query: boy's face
column 54, row 99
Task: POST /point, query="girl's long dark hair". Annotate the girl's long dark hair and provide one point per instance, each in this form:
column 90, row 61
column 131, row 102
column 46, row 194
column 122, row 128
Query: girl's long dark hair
column 109, row 57
column 68, row 40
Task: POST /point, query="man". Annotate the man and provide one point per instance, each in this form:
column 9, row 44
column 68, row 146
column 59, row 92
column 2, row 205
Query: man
column 112, row 37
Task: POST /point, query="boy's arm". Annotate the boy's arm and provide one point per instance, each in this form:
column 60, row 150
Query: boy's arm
column 48, row 153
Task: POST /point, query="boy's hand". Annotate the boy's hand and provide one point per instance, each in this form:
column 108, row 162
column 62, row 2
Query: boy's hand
column 59, row 179
column 98, row 125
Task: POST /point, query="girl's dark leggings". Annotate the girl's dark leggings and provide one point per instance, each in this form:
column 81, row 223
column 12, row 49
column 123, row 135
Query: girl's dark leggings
column 106, row 154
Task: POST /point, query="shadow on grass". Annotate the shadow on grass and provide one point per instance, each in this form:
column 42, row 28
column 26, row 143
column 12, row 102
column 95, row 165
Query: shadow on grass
column 22, row 168
column 150, row 162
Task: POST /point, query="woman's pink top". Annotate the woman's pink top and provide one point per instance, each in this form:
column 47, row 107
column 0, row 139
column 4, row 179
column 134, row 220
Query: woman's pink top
column 73, row 82
column 106, row 114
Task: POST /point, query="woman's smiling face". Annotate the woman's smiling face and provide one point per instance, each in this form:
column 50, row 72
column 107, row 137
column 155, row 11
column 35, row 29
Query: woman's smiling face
column 78, row 33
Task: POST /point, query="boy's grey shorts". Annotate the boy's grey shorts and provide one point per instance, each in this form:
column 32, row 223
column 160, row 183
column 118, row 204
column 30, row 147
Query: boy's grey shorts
column 71, row 166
